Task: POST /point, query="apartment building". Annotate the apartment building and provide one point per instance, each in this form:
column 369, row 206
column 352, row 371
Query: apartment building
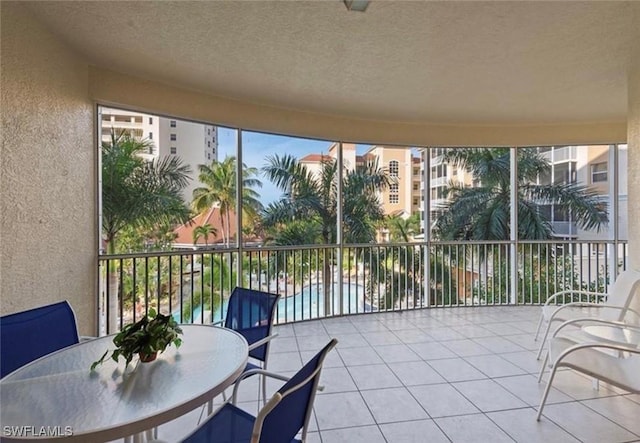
column 442, row 174
column 194, row 143
column 416, row 182
column 591, row 166
column 403, row 195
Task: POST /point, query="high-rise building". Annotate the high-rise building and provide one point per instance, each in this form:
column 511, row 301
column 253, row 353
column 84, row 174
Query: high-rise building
column 590, row 166
column 442, row 174
column 194, row 143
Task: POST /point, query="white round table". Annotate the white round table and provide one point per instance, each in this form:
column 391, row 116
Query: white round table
column 57, row 396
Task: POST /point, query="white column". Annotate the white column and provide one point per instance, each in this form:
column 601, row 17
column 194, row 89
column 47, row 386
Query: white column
column 426, row 222
column 238, row 208
column 633, row 141
column 339, row 233
column 513, row 259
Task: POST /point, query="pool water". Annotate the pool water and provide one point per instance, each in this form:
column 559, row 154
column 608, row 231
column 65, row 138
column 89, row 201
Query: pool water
column 309, row 303
column 197, row 312
column 305, row 305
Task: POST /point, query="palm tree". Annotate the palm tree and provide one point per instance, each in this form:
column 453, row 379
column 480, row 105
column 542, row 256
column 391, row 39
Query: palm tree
column 405, row 276
column 137, row 194
column 403, row 229
column 203, row 231
column 219, row 188
column 313, row 198
column 296, row 263
column 482, row 212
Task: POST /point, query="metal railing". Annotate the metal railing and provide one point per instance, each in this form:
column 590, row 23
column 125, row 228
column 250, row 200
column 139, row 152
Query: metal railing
column 194, row 285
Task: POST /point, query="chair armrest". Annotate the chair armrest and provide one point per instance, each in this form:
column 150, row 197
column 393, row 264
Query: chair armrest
column 599, row 345
column 260, row 372
column 262, row 341
column 255, row 372
column 215, row 323
column 592, row 320
column 560, row 308
column 557, row 295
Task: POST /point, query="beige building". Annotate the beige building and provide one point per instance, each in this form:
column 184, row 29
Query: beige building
column 398, row 162
column 194, row 143
column 350, row 160
column 403, row 196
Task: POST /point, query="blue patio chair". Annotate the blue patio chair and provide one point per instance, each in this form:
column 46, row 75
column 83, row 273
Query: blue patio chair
column 251, row 313
column 279, row 421
column 28, row 335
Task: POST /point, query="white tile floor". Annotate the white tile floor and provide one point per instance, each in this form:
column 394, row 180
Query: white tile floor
column 440, row 375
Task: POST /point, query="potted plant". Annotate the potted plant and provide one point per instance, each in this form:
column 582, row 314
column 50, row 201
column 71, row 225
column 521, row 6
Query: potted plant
column 146, row 337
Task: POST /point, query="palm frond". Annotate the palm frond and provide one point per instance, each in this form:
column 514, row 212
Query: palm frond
column 588, row 210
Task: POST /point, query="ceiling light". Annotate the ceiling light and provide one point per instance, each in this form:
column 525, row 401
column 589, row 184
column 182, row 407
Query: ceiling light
column 356, row 5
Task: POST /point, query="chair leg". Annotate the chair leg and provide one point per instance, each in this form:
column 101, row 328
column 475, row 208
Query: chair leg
column 538, row 328
column 546, row 392
column 264, row 390
column 202, row 414
column 544, row 340
column 544, row 365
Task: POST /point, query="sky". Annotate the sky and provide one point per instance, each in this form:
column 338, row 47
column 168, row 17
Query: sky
column 258, row 146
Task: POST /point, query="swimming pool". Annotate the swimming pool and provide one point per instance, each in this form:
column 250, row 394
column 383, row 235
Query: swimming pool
column 197, row 312
column 309, row 303
column 304, row 305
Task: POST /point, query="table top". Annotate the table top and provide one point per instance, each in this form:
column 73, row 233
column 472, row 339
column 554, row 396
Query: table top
column 58, row 395
column 613, row 334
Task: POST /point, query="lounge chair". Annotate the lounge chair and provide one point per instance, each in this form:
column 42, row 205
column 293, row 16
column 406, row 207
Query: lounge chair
column 622, row 303
column 611, row 355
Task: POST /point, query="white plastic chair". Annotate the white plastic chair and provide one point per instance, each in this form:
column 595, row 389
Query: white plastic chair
column 617, row 363
column 621, row 303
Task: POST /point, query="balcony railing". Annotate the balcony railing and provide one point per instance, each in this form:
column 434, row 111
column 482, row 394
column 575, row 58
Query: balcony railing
column 320, row 281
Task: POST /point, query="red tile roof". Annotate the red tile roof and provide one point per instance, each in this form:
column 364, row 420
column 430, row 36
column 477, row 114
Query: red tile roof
column 316, row 158
column 212, row 216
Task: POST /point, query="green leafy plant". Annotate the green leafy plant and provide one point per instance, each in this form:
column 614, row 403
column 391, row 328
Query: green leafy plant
column 148, row 336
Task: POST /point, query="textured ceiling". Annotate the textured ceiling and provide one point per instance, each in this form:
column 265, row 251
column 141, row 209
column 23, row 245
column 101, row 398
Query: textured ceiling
column 421, row 62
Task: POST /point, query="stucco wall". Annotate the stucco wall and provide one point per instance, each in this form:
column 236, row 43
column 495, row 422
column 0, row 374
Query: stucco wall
column 47, row 203
column 633, row 135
